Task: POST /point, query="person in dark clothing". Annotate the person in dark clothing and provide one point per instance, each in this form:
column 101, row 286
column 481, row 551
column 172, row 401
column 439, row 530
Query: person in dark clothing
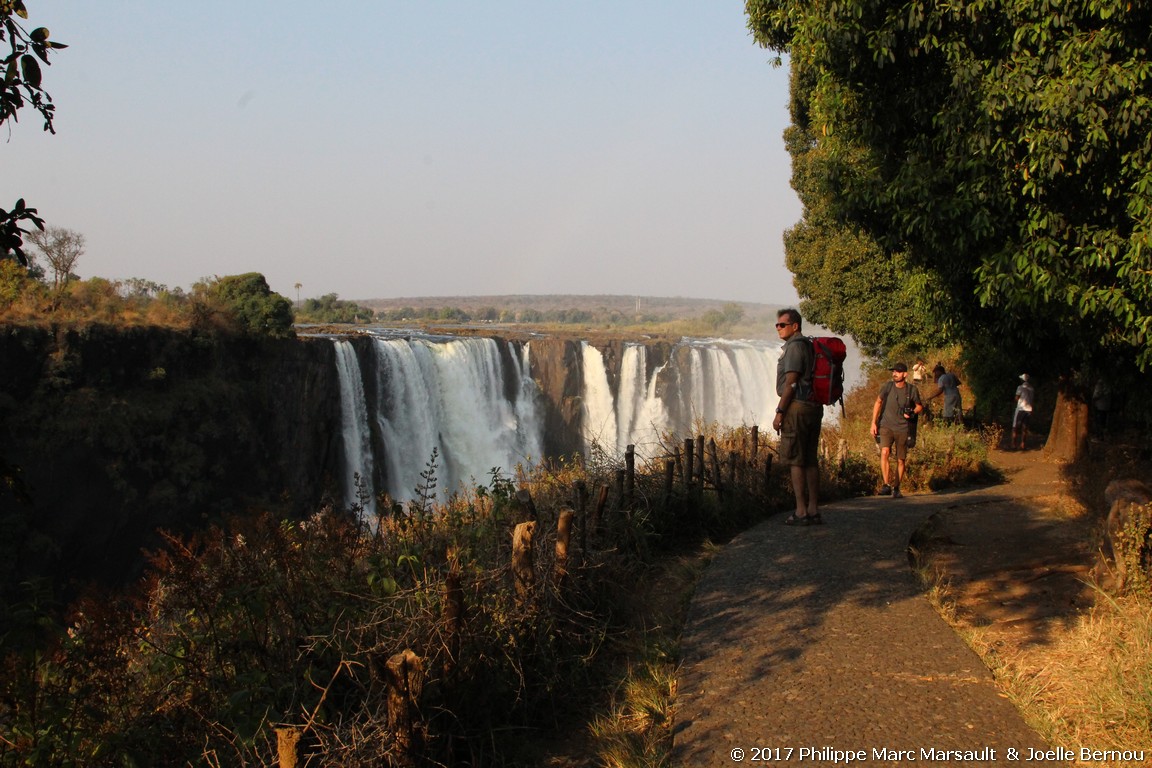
column 798, row 419
column 897, row 404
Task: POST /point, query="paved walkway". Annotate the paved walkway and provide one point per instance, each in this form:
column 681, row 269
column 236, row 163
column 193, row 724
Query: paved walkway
column 819, row 640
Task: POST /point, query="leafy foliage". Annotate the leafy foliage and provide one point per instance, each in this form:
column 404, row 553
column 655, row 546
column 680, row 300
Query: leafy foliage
column 251, row 304
column 330, row 309
column 22, row 87
column 1000, row 147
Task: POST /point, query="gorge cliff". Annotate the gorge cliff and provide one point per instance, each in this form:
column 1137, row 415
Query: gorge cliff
column 109, row 435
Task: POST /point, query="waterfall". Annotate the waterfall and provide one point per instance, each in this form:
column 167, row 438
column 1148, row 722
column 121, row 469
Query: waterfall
column 598, row 409
column 459, row 398
column 706, row 380
column 357, row 439
column 473, row 402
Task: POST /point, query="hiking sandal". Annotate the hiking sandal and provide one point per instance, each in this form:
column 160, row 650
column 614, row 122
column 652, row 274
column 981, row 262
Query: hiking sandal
column 794, row 519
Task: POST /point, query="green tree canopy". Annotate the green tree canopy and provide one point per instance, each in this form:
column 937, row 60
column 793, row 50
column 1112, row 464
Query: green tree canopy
column 251, row 304
column 997, row 149
column 329, row 308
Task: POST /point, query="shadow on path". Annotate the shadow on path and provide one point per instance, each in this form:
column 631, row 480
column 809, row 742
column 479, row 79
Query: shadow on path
column 821, row 637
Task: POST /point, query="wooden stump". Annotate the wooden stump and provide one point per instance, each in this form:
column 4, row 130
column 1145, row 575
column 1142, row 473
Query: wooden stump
column 1125, row 545
column 522, row 564
column 598, row 513
column 629, row 474
column 405, row 678
column 563, row 537
column 689, row 469
column 288, row 745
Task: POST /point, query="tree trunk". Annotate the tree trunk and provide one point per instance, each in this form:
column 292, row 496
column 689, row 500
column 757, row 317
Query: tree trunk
column 1068, row 437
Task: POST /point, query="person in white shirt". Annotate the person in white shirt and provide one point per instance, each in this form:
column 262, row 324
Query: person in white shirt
column 1025, row 399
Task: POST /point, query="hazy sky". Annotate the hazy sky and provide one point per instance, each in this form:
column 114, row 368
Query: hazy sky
column 418, row 148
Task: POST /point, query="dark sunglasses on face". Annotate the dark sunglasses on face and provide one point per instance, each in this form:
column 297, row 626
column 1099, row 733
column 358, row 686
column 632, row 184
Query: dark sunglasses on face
column 783, row 325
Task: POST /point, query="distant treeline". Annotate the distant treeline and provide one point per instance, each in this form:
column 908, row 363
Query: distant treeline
column 519, row 315
column 240, row 303
column 246, row 303
column 331, row 309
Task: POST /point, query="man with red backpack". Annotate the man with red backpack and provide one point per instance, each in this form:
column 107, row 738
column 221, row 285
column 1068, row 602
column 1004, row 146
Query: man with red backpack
column 798, row 417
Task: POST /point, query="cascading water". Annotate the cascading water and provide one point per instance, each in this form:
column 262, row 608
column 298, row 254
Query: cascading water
column 598, row 411
column 459, row 398
column 705, row 380
column 473, row 401
column 357, row 439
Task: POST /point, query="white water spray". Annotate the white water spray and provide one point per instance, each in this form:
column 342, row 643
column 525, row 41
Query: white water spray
column 472, row 400
column 357, row 439
column 451, row 396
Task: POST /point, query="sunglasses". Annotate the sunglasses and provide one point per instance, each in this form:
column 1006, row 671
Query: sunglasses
column 783, row 325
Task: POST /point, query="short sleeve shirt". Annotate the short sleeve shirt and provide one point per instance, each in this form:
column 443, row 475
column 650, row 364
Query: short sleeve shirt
column 1026, row 395
column 895, row 400
column 796, row 356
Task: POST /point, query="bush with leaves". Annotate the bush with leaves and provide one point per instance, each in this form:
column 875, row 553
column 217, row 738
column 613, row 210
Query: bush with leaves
column 247, row 303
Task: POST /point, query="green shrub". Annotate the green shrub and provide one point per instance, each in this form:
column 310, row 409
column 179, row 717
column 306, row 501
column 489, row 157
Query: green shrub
column 251, row 304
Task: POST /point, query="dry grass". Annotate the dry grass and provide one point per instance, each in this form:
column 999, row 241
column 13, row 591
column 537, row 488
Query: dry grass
column 1089, row 686
column 636, row 732
column 1092, row 686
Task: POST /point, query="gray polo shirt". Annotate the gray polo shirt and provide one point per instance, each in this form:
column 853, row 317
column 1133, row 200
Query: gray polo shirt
column 795, row 356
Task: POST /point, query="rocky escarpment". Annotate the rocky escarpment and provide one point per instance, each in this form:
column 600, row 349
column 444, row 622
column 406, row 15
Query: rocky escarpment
column 110, row 434
column 557, row 366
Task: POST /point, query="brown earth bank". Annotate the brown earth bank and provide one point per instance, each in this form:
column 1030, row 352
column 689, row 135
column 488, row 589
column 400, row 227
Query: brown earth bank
column 1016, row 569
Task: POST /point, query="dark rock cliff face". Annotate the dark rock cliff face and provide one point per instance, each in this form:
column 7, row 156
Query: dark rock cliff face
column 557, row 367
column 111, row 434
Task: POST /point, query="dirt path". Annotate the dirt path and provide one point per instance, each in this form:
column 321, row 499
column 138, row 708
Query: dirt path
column 1015, row 566
column 822, row 637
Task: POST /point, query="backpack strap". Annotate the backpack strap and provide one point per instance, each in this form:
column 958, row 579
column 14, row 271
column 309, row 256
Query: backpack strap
column 884, row 392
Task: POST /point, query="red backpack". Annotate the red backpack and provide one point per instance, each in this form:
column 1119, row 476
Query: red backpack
column 828, row 370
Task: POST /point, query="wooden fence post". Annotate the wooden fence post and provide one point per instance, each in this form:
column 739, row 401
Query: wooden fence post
column 700, row 459
column 288, row 745
column 629, row 474
column 689, row 470
column 405, row 677
column 598, row 514
column 669, row 480
column 453, row 617
column 522, row 568
column 755, row 445
column 582, row 514
column 712, row 454
column 733, row 460
column 563, row 537
column 525, row 504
